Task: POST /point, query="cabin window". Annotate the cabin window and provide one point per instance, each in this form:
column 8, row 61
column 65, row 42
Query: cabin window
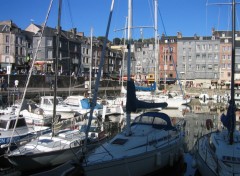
column 20, row 123
column 3, row 124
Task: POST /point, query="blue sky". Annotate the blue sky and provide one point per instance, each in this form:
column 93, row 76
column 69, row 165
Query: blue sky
column 187, row 16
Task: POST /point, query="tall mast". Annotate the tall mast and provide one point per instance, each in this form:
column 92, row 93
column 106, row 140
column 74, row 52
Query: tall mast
column 156, row 41
column 90, row 68
column 56, row 62
column 232, row 102
column 128, row 117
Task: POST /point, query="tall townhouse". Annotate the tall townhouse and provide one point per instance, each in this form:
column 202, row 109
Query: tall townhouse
column 13, row 47
column 145, row 61
column 225, row 53
column 168, row 59
column 114, row 62
column 69, row 49
column 198, row 59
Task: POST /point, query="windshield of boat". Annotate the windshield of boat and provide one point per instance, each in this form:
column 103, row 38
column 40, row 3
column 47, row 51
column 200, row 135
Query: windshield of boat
column 3, row 124
column 20, row 123
column 151, row 120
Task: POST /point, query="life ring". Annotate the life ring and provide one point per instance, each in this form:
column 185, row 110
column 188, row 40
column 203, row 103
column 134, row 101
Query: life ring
column 209, row 124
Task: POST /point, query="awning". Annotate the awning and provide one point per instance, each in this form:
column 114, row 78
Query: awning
column 40, row 62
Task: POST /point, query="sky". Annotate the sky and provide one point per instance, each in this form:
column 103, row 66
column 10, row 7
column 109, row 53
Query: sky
column 186, row 16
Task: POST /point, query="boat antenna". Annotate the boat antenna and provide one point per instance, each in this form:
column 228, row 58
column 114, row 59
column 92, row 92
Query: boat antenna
column 30, row 72
column 102, row 60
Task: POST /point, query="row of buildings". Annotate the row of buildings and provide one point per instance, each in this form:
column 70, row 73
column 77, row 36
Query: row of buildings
column 196, row 61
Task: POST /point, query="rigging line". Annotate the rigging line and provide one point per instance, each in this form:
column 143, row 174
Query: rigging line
column 70, row 13
column 206, row 18
column 218, row 18
column 229, row 16
column 30, row 72
column 151, row 10
column 164, row 29
column 102, row 60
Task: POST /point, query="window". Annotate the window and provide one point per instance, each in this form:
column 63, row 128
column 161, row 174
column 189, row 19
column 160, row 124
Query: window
column 189, row 67
column 223, row 66
column 204, row 47
column 7, row 59
column 229, row 74
column 197, row 67
column 7, row 38
column 49, row 42
column 7, row 49
column 223, row 57
column 189, row 58
column 184, row 58
column 21, row 51
column 209, row 66
column 229, row 66
column 203, row 67
column 216, row 47
column 198, row 56
column 49, row 54
column 198, row 47
column 215, row 75
column 210, row 47
column 204, row 56
column 16, row 50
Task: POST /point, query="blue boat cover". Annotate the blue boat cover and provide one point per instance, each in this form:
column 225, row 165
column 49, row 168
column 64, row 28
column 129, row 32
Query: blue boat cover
column 229, row 120
column 151, row 88
column 86, row 104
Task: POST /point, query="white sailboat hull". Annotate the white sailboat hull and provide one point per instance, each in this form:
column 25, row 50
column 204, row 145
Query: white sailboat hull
column 222, row 160
column 136, row 165
column 43, row 160
column 150, row 147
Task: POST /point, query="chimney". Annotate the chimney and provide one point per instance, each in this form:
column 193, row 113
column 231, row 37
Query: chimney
column 179, row 35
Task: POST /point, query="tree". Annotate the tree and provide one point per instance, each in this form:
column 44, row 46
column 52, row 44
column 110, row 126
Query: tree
column 116, row 41
column 102, row 38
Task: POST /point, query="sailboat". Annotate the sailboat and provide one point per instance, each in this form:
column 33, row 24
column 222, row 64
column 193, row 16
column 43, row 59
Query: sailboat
column 149, row 143
column 51, row 149
column 217, row 153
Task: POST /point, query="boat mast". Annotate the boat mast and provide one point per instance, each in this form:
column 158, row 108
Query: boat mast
column 156, row 43
column 102, row 60
column 128, row 116
column 90, row 68
column 232, row 102
column 56, row 64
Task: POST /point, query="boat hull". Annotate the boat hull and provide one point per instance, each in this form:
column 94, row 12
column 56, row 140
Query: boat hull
column 201, row 164
column 136, row 165
column 43, row 160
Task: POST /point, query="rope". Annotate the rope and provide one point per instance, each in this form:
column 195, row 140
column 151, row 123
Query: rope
column 30, row 73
